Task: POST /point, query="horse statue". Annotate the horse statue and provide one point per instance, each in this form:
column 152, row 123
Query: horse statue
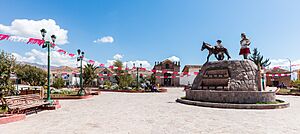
column 218, row 52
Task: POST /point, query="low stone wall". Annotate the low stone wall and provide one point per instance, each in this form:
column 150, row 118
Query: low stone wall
column 234, row 106
column 236, row 97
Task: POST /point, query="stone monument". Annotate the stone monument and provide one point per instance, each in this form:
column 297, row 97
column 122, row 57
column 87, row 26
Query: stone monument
column 235, row 81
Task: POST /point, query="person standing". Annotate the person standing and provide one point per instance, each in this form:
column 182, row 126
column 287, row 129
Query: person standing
column 245, row 43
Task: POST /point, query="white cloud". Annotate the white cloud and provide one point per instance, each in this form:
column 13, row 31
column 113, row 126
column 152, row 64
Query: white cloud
column 174, row 58
column 144, row 63
column 284, row 63
column 129, row 64
column 118, row 57
column 105, row 39
column 40, row 57
column 31, row 28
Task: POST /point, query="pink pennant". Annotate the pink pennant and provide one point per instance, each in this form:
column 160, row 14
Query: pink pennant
column 185, row 73
column 119, row 68
column 35, row 41
column 53, row 45
column 111, row 67
column 4, row 37
column 91, row 61
column 101, row 65
column 154, row 71
column 175, row 72
column 196, row 73
column 71, row 55
column 173, row 76
column 61, row 51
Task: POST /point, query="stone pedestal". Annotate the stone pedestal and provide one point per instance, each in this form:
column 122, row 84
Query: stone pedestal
column 235, row 81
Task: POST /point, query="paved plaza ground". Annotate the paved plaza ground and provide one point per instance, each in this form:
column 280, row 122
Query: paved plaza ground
column 157, row 113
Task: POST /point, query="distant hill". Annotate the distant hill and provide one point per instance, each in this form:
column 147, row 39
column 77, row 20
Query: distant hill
column 44, row 67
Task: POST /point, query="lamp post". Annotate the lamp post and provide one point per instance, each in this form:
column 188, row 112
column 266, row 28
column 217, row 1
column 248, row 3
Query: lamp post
column 137, row 75
column 80, row 57
column 47, row 44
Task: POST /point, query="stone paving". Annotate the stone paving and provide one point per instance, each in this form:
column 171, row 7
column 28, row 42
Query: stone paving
column 157, row 113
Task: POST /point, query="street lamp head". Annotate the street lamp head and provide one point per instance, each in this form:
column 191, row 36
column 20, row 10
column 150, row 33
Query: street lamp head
column 53, row 37
column 141, row 64
column 78, row 51
column 133, row 64
column 82, row 53
column 43, row 32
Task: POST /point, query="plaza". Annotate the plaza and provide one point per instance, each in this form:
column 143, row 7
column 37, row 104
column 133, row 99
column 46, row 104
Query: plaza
column 157, row 113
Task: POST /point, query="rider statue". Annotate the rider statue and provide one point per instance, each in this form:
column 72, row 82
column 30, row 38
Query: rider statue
column 218, row 47
column 219, row 44
column 245, row 43
column 218, row 50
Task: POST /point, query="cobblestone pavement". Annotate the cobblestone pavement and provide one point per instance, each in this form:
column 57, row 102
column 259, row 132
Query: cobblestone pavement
column 157, row 113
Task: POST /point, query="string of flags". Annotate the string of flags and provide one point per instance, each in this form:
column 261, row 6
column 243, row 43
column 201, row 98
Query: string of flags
column 61, row 51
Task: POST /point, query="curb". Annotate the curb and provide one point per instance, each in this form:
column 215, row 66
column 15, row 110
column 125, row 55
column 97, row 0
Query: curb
column 12, row 118
column 234, row 106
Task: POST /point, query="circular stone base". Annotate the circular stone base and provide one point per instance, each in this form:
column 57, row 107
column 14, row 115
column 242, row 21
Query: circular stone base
column 234, row 97
column 234, row 106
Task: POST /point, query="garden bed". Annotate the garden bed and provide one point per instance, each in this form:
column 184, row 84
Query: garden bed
column 62, row 96
column 8, row 118
column 294, row 92
column 131, row 91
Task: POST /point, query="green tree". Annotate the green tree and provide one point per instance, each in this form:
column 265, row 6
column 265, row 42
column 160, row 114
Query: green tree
column 152, row 79
column 89, row 74
column 125, row 81
column 31, row 75
column 7, row 62
column 58, row 83
column 118, row 64
column 259, row 59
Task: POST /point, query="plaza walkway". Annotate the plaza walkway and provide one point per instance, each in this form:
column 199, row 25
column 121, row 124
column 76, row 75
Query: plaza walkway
column 156, row 113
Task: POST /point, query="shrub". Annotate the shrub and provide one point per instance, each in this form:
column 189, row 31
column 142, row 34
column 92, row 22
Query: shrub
column 115, row 87
column 58, row 83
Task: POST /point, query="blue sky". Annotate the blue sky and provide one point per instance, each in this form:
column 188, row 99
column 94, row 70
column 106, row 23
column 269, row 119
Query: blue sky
column 153, row 30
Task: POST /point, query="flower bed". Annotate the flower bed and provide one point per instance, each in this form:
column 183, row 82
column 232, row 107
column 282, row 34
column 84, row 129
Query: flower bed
column 294, row 92
column 131, row 91
column 63, row 96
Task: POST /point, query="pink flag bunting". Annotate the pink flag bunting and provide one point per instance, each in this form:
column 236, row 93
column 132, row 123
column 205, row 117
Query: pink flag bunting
column 101, row 65
column 35, row 41
column 71, row 55
column 91, row 62
column 4, row 37
column 61, row 51
column 111, row 67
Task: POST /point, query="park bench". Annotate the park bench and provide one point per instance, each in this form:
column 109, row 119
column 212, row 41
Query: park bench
column 24, row 104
